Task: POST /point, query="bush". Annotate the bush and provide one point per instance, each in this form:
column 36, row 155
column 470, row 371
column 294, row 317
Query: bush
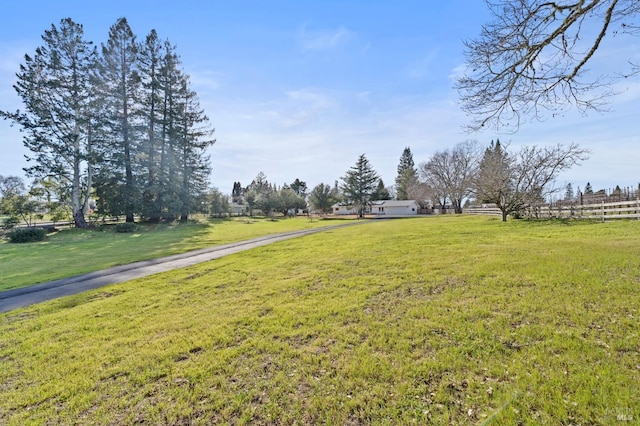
column 27, row 235
column 125, row 227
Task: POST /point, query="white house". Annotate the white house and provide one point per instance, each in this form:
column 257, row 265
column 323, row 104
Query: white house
column 385, row 207
column 340, row 208
column 395, row 207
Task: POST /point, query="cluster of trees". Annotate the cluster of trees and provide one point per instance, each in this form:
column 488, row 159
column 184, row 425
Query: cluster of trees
column 15, row 205
column 360, row 185
column 511, row 181
column 21, row 205
column 589, row 196
column 262, row 195
column 120, row 124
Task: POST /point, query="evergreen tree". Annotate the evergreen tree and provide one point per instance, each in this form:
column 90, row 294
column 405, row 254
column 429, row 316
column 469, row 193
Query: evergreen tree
column 495, row 177
column 569, row 195
column 514, row 183
column 407, row 175
column 151, row 61
column 617, row 193
column 381, row 192
column 322, row 197
column 128, row 116
column 359, row 184
column 289, row 201
column 260, row 184
column 54, row 87
column 299, row 187
column 588, row 190
column 172, row 85
column 219, row 205
column 236, row 193
column 119, row 91
column 194, row 141
column 250, row 197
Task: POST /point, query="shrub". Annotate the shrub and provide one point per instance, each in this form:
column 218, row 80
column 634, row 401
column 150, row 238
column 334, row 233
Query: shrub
column 27, row 235
column 125, row 227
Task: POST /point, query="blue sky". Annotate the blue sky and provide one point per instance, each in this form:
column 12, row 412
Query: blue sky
column 299, row 89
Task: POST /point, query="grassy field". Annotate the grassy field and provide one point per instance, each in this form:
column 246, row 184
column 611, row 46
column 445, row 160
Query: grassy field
column 77, row 251
column 445, row 320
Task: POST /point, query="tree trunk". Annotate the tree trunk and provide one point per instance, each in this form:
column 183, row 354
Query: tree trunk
column 79, row 220
column 76, row 196
column 457, row 206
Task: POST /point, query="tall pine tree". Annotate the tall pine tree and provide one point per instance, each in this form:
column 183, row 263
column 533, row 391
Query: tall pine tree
column 119, row 91
column 359, row 184
column 151, row 57
column 407, row 175
column 54, row 87
column 193, row 160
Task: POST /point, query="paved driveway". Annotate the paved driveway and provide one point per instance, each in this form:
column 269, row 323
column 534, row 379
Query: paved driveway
column 25, row 296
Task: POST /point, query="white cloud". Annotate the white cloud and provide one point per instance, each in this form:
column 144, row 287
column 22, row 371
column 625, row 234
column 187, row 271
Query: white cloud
column 423, row 67
column 457, row 72
column 324, row 39
column 206, row 80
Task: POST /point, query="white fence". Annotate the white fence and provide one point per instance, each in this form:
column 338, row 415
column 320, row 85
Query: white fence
column 601, row 211
column 482, row 210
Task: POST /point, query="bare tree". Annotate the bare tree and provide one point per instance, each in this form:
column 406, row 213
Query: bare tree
column 515, row 182
column 422, row 193
column 532, row 58
column 451, row 174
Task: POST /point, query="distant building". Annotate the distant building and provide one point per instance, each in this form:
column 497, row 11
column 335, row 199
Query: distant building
column 384, row 207
column 395, row 207
column 341, row 208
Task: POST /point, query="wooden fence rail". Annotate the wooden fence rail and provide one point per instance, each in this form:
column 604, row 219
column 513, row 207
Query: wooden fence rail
column 483, row 210
column 599, row 211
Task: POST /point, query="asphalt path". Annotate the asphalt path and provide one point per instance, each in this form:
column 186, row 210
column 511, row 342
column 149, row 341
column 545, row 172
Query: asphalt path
column 25, row 296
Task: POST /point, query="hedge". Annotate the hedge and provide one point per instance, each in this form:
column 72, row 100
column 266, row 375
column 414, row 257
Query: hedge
column 27, row 235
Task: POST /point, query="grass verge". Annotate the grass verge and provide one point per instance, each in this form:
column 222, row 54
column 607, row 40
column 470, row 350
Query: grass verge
column 76, row 251
column 445, row 320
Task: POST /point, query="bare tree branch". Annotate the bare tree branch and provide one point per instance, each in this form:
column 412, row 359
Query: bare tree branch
column 515, row 182
column 451, row 173
column 531, row 59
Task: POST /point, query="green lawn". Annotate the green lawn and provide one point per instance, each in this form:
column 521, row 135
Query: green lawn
column 441, row 320
column 76, row 251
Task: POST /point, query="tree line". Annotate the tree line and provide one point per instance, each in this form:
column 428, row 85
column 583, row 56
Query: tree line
column 513, row 181
column 451, row 177
column 360, row 185
column 119, row 124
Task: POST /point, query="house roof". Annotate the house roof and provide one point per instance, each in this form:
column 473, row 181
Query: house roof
column 385, row 203
column 395, row 203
